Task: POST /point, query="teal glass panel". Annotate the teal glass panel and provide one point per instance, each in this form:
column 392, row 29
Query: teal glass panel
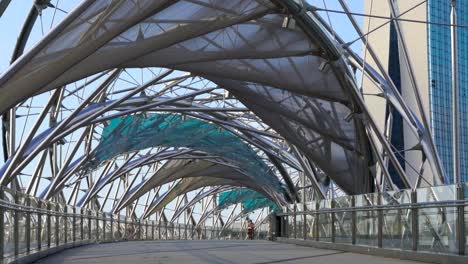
column 137, row 132
column 250, row 199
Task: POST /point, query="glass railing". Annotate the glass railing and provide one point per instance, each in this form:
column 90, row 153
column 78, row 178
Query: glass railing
column 432, row 219
column 29, row 225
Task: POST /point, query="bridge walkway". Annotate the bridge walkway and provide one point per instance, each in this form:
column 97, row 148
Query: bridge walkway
column 208, row 251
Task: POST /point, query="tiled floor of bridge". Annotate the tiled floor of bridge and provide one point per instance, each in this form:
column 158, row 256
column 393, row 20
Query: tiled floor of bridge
column 213, row 252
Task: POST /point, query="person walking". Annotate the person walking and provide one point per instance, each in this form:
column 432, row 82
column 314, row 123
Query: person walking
column 250, row 229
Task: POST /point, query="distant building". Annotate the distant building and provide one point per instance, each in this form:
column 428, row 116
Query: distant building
column 429, row 48
column 440, row 77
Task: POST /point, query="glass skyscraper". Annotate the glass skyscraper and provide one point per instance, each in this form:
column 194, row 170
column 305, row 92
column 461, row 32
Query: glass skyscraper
column 440, row 81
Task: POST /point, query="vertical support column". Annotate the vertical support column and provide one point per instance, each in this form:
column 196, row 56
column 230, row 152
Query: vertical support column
column 379, row 221
column 159, row 230
column 39, row 225
column 295, row 220
column 65, row 224
column 57, row 224
column 317, row 221
column 179, row 231
column 353, row 220
column 152, row 230
column 28, row 226
column 119, row 232
column 414, row 220
column 333, row 220
column 139, row 230
column 16, row 225
column 125, row 230
column 49, row 234
column 2, row 225
column 81, row 224
column 461, row 220
column 103, row 215
column 74, row 224
column 304, row 222
column 89, row 225
column 97, row 226
column 111, row 227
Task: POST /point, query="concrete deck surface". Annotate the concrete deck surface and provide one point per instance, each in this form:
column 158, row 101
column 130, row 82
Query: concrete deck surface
column 213, row 252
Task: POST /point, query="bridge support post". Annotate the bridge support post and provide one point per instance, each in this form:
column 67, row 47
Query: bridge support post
column 380, row 221
column 414, row 220
column 57, row 222
column 103, row 226
column 2, row 223
column 111, row 220
column 48, row 225
column 317, row 221
column 89, row 219
column 97, row 225
column 65, row 223
column 333, row 220
column 74, row 224
column 81, row 223
column 39, row 226
column 16, row 215
column 461, row 220
column 295, row 220
column 28, row 226
column 353, row 220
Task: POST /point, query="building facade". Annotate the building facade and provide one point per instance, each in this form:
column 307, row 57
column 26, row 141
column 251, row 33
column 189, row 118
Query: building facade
column 440, row 78
column 429, row 50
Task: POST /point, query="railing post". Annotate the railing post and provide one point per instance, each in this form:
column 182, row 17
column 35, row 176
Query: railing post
column 112, row 238
column 2, row 225
column 15, row 225
column 159, row 230
column 333, row 220
column 74, row 224
column 139, row 230
column 294, row 220
column 57, row 223
column 97, row 226
column 353, row 220
column 304, row 220
column 317, row 221
column 126, row 228
column 379, row 221
column 49, row 237
column 414, row 220
column 119, row 228
column 103, row 215
column 28, row 226
column 81, row 224
column 89, row 225
column 461, row 220
column 39, row 225
column 65, row 224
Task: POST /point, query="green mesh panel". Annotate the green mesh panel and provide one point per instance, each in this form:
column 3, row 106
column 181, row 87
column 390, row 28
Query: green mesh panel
column 250, row 199
column 136, row 132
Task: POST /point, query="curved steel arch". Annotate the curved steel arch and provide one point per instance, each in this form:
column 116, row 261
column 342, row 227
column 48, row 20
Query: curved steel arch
column 343, row 160
column 256, row 72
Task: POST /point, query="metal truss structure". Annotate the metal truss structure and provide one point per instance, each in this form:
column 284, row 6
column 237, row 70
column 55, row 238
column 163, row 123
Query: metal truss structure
column 272, row 74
